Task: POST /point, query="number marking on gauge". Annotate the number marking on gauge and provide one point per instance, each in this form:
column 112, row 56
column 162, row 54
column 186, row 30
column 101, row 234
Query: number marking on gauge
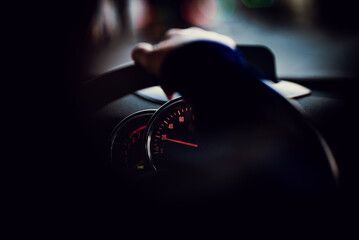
column 171, row 134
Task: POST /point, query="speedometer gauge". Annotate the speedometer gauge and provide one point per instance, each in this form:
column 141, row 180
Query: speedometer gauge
column 126, row 146
column 171, row 136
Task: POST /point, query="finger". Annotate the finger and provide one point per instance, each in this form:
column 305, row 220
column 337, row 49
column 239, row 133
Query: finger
column 171, row 32
column 141, row 53
column 148, row 57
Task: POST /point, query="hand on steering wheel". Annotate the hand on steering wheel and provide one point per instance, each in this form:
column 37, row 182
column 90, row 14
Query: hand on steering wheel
column 151, row 57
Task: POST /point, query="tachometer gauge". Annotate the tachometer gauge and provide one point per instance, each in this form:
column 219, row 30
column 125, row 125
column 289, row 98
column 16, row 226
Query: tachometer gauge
column 126, row 146
column 171, row 136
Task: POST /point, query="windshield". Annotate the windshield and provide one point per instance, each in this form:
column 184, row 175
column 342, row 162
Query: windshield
column 310, row 38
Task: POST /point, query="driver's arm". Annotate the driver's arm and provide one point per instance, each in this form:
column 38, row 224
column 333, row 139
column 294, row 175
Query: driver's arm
column 201, row 64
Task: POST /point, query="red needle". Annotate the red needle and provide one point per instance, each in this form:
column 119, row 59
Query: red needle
column 181, row 142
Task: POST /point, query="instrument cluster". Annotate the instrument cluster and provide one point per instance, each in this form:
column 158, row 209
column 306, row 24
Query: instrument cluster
column 152, row 140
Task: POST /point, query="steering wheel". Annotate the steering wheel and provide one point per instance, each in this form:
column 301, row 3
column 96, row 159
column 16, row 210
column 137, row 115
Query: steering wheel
column 273, row 154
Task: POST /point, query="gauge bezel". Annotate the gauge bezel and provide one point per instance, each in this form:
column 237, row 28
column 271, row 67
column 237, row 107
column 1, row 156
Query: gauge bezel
column 152, row 122
column 122, row 125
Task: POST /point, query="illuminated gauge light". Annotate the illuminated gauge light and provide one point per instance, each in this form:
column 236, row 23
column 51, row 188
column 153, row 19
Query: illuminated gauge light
column 171, row 135
column 127, row 155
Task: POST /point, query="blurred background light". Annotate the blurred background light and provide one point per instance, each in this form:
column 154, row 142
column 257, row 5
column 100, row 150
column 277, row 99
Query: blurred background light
column 257, row 3
column 207, row 12
column 226, row 9
column 105, row 23
column 310, row 38
column 199, row 12
column 141, row 13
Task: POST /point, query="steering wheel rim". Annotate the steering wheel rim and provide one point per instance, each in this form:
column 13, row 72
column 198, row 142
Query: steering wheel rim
column 114, row 84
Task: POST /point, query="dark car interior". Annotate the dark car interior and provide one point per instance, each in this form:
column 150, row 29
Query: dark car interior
column 86, row 116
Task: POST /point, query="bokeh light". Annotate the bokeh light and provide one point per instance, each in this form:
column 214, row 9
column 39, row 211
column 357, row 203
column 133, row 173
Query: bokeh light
column 226, row 9
column 105, row 23
column 141, row 13
column 207, row 12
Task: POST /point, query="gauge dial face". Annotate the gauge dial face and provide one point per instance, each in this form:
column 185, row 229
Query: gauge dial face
column 171, row 137
column 127, row 154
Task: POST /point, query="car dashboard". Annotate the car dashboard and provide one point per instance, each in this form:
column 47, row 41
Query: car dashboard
column 125, row 131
